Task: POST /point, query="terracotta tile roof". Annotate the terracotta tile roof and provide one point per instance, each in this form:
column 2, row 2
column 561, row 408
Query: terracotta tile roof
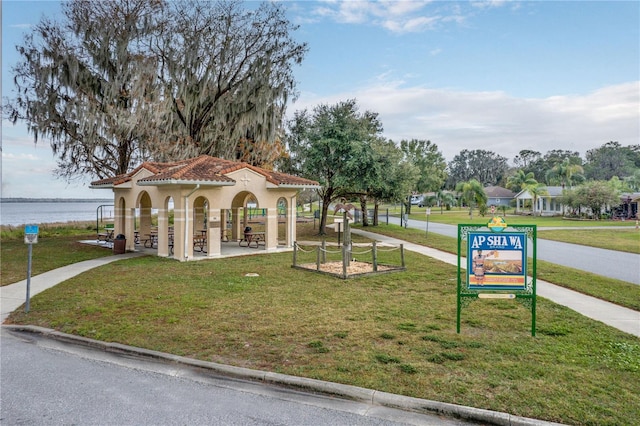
column 201, row 169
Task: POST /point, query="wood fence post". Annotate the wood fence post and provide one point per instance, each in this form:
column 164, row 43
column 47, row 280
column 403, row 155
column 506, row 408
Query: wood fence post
column 295, row 252
column 374, row 253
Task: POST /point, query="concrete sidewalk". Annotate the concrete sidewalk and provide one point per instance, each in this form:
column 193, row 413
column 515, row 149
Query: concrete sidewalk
column 623, row 319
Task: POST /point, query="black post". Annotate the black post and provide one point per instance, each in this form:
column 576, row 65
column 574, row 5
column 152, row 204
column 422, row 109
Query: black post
column 26, row 306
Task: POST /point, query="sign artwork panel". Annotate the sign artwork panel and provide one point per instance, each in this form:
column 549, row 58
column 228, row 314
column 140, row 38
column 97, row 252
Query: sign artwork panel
column 496, row 261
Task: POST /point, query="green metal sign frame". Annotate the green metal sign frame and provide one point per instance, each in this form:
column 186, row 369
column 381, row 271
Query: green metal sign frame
column 505, row 275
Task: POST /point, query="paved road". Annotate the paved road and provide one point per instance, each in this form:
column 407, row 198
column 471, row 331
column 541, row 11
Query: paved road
column 609, row 263
column 45, row 382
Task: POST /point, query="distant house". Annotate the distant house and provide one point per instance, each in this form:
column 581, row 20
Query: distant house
column 546, row 205
column 550, row 204
column 498, row 196
column 628, row 208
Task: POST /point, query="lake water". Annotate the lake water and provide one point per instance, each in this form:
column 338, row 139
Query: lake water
column 37, row 212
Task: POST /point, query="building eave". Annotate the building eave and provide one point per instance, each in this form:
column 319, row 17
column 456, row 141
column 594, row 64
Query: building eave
column 163, row 182
column 297, row 186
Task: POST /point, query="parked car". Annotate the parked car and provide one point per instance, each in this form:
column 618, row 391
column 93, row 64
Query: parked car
column 417, row 200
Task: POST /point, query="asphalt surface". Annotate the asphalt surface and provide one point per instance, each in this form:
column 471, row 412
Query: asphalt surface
column 48, row 381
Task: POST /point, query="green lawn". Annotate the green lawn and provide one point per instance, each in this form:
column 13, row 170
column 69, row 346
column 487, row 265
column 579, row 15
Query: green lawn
column 622, row 236
column 456, row 215
column 627, row 239
column 393, row 332
column 58, row 245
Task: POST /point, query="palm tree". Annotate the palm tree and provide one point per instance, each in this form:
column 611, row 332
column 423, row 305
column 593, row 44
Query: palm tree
column 565, row 173
column 445, row 198
column 472, row 192
column 536, row 191
column 521, row 180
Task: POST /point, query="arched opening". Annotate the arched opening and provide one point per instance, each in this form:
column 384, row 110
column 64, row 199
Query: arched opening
column 165, row 228
column 245, row 213
column 144, row 220
column 283, row 223
column 120, row 216
column 200, row 219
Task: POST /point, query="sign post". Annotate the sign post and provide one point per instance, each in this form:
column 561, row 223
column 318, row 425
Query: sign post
column 428, row 211
column 496, row 265
column 30, row 238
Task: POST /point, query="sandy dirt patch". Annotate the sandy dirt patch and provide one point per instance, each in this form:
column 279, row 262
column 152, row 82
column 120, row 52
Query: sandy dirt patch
column 355, row 267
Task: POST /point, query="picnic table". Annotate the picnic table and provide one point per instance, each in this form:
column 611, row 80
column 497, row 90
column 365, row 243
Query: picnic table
column 151, row 239
column 107, row 235
column 249, row 238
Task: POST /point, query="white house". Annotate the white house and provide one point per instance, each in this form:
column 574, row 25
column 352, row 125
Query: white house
column 546, row 205
column 550, row 205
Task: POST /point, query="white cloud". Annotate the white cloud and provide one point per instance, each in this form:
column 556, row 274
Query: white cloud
column 397, row 16
column 495, row 121
column 486, row 4
column 417, row 24
column 8, row 156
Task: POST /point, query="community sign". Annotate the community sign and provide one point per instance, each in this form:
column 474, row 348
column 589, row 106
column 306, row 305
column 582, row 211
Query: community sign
column 496, row 265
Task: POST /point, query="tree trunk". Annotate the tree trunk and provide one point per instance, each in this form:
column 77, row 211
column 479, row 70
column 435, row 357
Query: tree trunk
column 363, row 207
column 376, row 208
column 326, row 200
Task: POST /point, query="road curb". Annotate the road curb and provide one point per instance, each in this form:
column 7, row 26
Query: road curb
column 350, row 392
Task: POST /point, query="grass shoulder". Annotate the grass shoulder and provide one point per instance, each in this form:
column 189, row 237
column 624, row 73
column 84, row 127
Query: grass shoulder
column 627, row 239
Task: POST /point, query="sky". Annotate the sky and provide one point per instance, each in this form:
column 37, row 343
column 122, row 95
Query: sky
column 501, row 76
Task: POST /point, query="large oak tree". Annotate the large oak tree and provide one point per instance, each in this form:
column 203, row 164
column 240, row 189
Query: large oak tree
column 115, row 83
column 333, row 145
